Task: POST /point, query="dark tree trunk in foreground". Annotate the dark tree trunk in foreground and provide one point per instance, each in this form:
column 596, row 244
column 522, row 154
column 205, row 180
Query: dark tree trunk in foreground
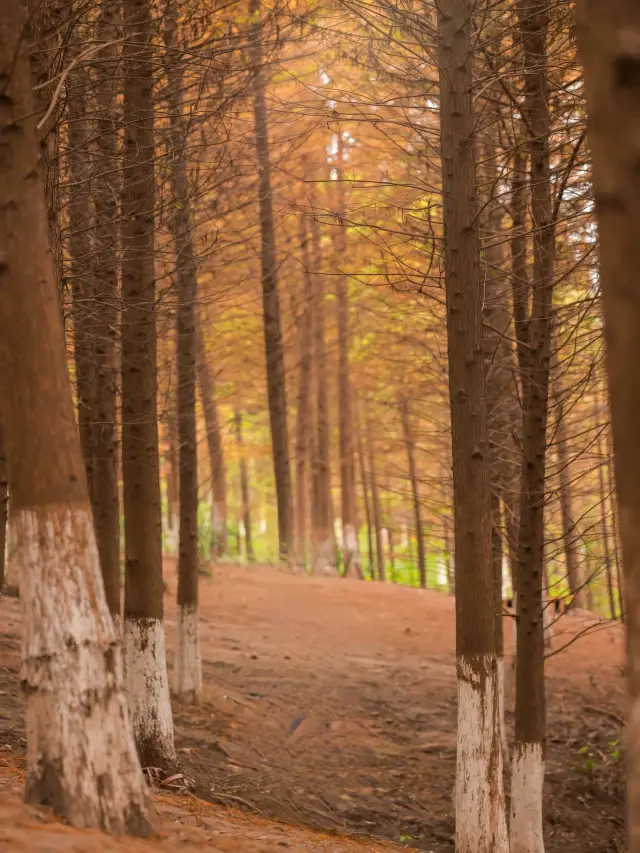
column 607, row 38
column 81, row 756
column 144, row 643
column 413, row 477
column 244, row 489
column 274, row 347
column 188, row 666
column 480, row 817
column 527, row 774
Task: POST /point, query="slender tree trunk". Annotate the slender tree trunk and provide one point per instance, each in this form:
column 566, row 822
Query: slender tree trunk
column 188, row 664
column 614, row 526
column 413, row 477
column 244, row 489
column 528, row 757
column 604, row 527
column 219, row 510
column 274, row 347
column 144, row 643
column 81, row 757
column 322, row 536
column 4, row 505
column 566, row 500
column 350, row 548
column 172, row 459
column 105, row 499
column 480, row 816
column 375, row 500
column 305, row 331
column 365, row 499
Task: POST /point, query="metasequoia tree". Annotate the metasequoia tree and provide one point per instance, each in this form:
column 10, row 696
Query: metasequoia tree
column 608, row 38
column 144, row 642
column 274, row 349
column 480, row 814
column 81, row 757
column 527, row 773
column 244, row 488
column 188, row 665
column 413, row 477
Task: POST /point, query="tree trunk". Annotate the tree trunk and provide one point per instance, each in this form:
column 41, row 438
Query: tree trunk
column 305, row 331
column 274, row 347
column 375, row 499
column 566, row 500
column 244, row 489
column 4, row 505
column 188, row 665
column 480, row 816
column 80, row 751
column 219, row 511
column 322, row 536
column 173, row 466
column 528, row 756
column 604, row 527
column 350, row 549
column 144, row 643
column 105, row 498
column 365, row 498
column 413, row 477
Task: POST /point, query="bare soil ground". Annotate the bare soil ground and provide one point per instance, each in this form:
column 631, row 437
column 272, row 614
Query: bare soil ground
column 330, row 704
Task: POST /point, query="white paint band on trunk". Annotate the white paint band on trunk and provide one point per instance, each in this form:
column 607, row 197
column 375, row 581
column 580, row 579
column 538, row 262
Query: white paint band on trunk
column 187, row 668
column 148, row 685
column 527, row 781
column 81, row 755
column 480, row 808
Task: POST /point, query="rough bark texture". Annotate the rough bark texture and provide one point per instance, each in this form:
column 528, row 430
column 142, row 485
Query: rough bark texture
column 207, row 385
column 145, row 662
column 188, row 670
column 409, row 444
column 80, row 751
column 480, row 816
column 530, row 700
column 274, row 347
column 303, row 421
column 244, row 489
column 105, row 499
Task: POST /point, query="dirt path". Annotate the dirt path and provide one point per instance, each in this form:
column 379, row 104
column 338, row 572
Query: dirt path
column 332, row 704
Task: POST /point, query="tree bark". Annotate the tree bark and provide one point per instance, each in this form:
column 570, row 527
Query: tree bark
column 480, row 816
column 81, row 757
column 375, row 500
column 413, row 477
column 244, row 489
column 188, row 664
column 365, row 498
column 105, row 498
column 219, row 509
column 528, row 756
column 566, row 499
column 274, row 347
column 144, row 643
column 4, row 506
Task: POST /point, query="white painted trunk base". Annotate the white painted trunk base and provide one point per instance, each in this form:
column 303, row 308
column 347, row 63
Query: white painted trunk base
column 527, row 780
column 187, row 669
column 81, row 756
column 351, row 551
column 479, row 796
column 148, row 690
column 323, row 557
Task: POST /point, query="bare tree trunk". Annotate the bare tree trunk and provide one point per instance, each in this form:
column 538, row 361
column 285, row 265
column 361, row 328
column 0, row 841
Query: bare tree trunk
column 413, row 477
column 527, row 775
column 219, row 510
column 614, row 526
column 305, row 332
column 188, row 663
column 350, row 548
column 322, row 535
column 365, row 499
column 4, row 505
column 566, row 500
column 105, row 498
column 604, row 527
column 244, row 489
column 375, row 499
column 81, row 757
column 144, row 642
column 173, row 466
column 274, row 347
column 606, row 31
column 480, row 816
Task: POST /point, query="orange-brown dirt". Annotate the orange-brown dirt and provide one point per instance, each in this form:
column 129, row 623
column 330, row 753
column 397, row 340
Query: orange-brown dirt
column 331, row 704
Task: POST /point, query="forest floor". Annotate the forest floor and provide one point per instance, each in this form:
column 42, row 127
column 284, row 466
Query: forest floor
column 329, row 715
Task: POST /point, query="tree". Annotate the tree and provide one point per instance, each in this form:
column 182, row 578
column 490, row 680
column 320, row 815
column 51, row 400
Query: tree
column 81, row 757
column 144, row 643
column 244, row 489
column 480, row 816
column 188, row 664
column 609, row 52
column 413, row 476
